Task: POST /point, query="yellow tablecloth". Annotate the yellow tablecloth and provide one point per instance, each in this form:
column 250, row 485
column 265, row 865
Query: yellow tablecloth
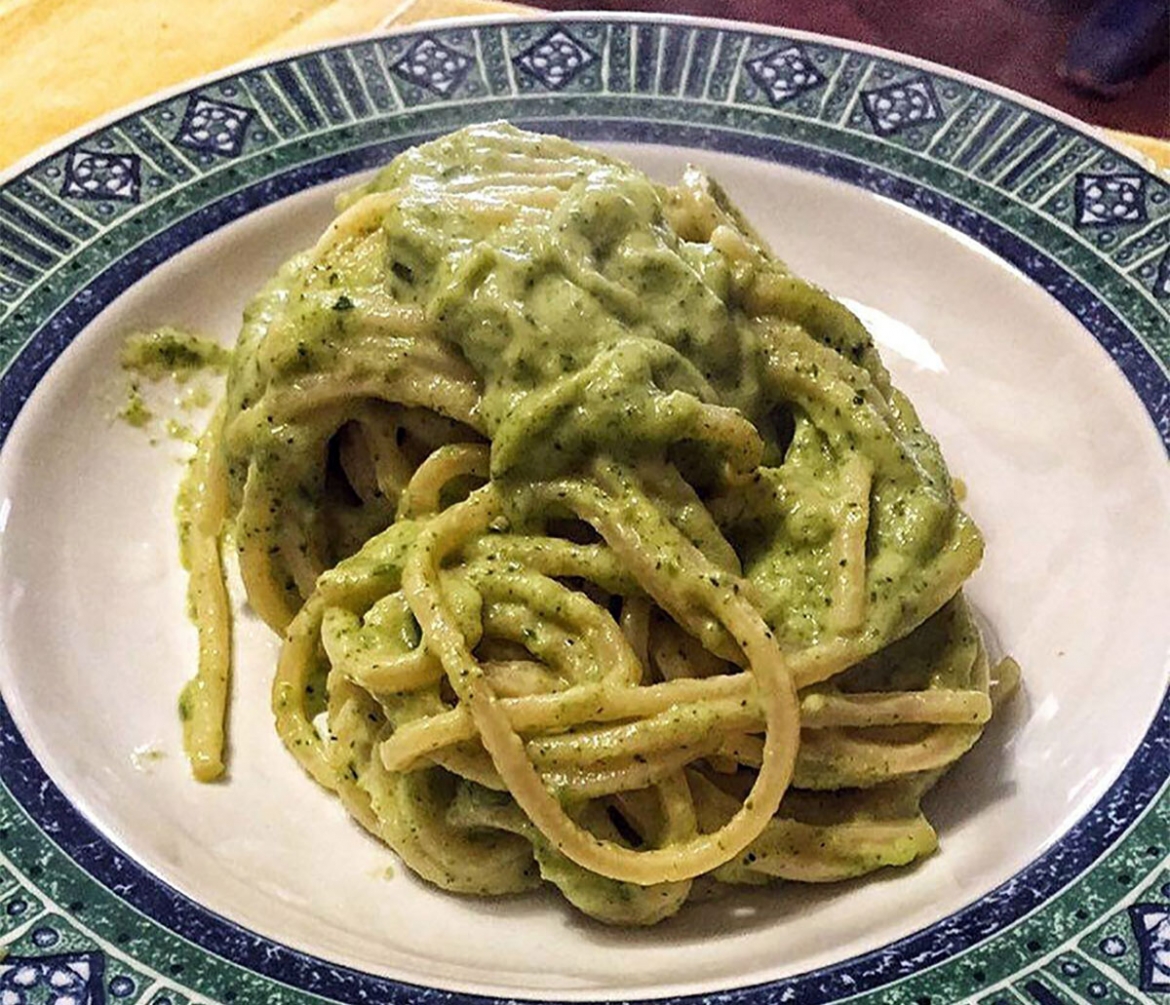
column 64, row 62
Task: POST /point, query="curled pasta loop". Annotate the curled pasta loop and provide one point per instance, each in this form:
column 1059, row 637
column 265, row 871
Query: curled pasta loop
column 776, row 693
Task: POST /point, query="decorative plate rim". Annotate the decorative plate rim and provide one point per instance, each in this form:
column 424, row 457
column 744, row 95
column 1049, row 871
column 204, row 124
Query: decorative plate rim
column 1135, row 787
column 532, row 16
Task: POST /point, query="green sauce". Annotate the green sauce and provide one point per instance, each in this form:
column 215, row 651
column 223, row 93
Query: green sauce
column 181, row 431
column 577, row 313
column 135, row 412
column 599, row 326
column 170, row 353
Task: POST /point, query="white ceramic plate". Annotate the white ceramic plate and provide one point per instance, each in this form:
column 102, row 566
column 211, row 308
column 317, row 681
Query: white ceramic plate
column 983, row 241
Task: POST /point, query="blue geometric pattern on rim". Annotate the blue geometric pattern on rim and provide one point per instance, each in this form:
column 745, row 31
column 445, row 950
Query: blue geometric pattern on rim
column 214, row 126
column 1151, row 930
column 1110, row 198
column 784, row 73
column 902, row 105
column 67, row 979
column 431, row 61
column 436, row 66
column 96, row 174
column 555, row 59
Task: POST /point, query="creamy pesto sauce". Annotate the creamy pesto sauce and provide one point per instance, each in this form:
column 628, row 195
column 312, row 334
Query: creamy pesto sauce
column 135, row 412
column 171, row 355
column 598, row 327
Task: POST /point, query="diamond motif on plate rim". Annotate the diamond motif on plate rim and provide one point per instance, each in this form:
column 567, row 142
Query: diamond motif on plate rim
column 1115, row 198
column 94, row 174
column 74, row 979
column 1151, row 929
column 217, row 127
column 435, row 66
column 784, row 73
column 555, row 59
column 902, row 105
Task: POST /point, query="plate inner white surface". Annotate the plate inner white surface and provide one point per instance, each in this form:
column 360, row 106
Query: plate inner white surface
column 1066, row 478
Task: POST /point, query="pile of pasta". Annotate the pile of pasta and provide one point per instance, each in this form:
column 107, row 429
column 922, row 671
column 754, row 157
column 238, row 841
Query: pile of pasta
column 604, row 551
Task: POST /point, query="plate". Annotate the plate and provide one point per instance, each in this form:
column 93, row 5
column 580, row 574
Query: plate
column 1016, row 271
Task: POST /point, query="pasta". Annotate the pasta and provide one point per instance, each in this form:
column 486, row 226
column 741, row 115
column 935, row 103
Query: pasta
column 604, row 551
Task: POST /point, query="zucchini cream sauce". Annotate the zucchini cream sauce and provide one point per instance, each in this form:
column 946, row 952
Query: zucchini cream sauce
column 597, row 322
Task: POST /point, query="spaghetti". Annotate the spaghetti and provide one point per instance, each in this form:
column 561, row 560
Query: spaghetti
column 604, row 551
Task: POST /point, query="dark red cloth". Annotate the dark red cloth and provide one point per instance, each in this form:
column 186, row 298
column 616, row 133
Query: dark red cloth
column 1016, row 43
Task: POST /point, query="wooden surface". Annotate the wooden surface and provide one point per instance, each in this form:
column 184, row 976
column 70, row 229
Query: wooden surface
column 64, row 62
